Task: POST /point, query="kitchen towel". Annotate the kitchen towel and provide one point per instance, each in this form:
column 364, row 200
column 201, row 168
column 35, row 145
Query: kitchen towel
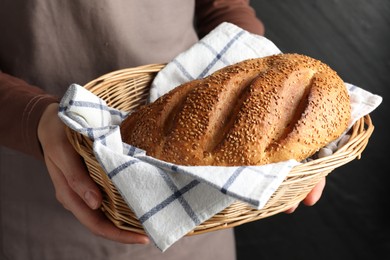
column 170, row 200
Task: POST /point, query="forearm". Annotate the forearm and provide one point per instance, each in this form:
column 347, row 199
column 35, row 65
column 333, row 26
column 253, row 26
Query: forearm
column 210, row 13
column 21, row 107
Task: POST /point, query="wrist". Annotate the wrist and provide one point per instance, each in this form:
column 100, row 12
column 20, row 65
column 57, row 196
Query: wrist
column 47, row 123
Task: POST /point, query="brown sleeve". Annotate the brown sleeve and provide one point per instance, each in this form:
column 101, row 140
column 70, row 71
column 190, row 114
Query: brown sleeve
column 21, row 107
column 210, row 13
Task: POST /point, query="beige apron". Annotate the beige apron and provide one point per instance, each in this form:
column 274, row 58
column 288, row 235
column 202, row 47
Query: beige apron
column 52, row 44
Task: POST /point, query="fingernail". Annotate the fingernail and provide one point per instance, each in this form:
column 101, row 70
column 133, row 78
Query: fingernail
column 145, row 241
column 91, row 199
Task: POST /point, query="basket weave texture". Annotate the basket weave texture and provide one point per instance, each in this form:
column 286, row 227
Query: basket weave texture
column 127, row 89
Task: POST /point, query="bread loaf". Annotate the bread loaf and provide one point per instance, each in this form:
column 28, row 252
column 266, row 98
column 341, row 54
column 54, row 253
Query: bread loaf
column 255, row 112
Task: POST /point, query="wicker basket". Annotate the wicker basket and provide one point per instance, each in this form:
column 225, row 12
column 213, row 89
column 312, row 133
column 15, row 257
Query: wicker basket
column 128, row 88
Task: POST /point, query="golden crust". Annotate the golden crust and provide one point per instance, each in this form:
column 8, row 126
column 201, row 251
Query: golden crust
column 257, row 111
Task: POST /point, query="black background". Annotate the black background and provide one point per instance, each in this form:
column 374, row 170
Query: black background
column 349, row 221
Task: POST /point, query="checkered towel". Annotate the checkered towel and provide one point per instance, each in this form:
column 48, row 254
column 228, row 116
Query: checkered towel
column 171, row 200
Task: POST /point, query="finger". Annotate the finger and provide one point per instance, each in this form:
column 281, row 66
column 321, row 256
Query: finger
column 292, row 209
column 58, row 186
column 100, row 225
column 57, row 148
column 94, row 220
column 76, row 174
column 315, row 194
column 78, row 178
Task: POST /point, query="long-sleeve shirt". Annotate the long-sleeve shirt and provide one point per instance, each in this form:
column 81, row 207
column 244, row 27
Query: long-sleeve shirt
column 47, row 45
column 50, row 45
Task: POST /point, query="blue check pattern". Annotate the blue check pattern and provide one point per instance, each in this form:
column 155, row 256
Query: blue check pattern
column 226, row 45
column 165, row 196
column 171, row 200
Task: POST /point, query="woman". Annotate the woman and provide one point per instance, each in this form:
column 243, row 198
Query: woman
column 44, row 47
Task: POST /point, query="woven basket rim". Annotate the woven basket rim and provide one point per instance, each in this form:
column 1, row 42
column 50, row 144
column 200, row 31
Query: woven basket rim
column 236, row 214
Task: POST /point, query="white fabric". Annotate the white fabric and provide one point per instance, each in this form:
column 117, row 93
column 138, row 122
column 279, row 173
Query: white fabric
column 225, row 45
column 170, row 200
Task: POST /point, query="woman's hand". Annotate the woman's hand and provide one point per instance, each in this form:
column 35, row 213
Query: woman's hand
column 75, row 189
column 313, row 196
